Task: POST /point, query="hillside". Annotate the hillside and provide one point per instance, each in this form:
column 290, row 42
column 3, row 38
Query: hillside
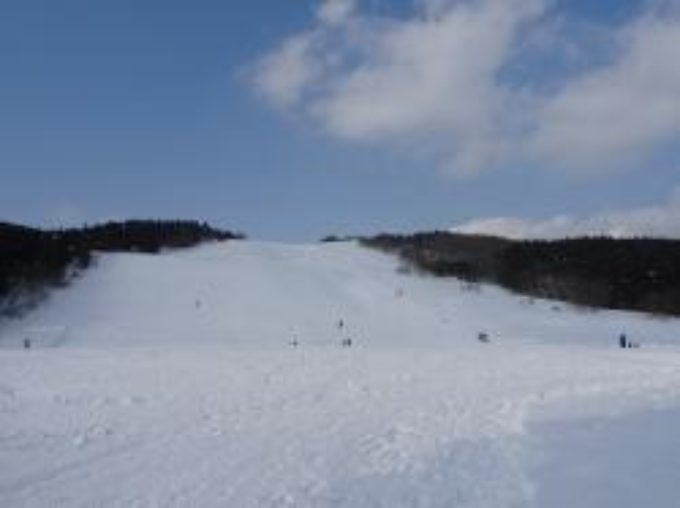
column 170, row 380
column 628, row 274
column 32, row 261
column 262, row 293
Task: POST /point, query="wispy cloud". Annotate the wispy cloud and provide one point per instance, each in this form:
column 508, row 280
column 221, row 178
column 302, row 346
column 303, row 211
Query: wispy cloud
column 283, row 75
column 335, row 12
column 435, row 83
column 661, row 221
column 616, row 114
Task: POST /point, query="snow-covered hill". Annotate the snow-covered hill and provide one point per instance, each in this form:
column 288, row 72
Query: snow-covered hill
column 259, row 294
column 213, row 408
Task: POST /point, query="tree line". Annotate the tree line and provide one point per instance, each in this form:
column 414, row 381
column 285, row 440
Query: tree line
column 628, row 274
column 33, row 260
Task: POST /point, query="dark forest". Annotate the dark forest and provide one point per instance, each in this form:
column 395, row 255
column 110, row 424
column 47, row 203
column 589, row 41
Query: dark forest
column 32, row 260
column 627, row 274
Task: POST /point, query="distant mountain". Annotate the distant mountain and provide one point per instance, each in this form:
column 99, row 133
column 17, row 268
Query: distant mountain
column 659, row 221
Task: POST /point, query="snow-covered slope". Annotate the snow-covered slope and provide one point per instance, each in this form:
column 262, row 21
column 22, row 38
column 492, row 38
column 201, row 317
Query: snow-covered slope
column 213, row 408
column 259, row 294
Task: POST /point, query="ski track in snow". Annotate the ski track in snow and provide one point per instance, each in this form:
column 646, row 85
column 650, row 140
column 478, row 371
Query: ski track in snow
column 251, row 294
column 211, row 409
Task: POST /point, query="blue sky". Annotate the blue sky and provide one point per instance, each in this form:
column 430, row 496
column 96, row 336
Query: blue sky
column 174, row 109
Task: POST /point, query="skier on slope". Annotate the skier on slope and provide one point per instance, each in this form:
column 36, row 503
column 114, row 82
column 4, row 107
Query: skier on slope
column 347, row 341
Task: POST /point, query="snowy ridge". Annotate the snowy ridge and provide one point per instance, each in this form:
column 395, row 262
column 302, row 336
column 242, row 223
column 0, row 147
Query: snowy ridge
column 212, row 408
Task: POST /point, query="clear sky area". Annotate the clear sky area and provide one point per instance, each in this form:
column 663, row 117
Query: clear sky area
column 294, row 119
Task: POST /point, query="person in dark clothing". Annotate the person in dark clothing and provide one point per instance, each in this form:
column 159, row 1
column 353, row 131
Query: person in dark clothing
column 623, row 341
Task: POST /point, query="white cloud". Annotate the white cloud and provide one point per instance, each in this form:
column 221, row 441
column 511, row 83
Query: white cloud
column 614, row 116
column 419, row 84
column 335, row 12
column 283, row 75
column 432, row 83
column 662, row 221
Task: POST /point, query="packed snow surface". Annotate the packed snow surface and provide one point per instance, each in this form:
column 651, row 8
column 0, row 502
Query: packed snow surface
column 261, row 294
column 171, row 381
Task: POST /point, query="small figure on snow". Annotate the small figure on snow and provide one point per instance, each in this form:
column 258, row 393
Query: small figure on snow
column 347, row 342
column 623, row 341
column 27, row 343
column 483, row 337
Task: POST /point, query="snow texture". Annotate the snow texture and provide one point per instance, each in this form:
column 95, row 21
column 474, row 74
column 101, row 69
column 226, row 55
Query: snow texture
column 168, row 381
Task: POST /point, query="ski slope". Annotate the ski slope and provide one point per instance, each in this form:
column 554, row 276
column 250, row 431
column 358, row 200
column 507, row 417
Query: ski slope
column 168, row 381
column 265, row 294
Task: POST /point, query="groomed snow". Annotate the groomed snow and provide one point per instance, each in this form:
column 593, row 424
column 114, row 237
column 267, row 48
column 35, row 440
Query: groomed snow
column 262, row 294
column 169, row 381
